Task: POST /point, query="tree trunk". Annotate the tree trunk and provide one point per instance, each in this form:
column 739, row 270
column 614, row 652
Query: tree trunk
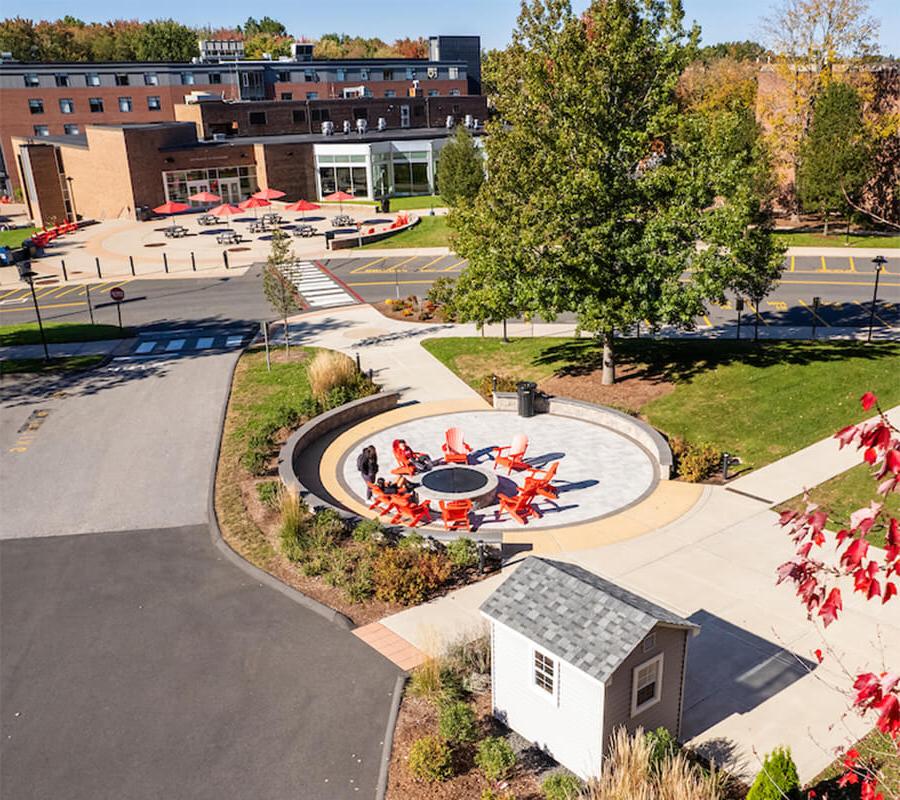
column 826, row 223
column 609, row 359
column 505, row 337
column 287, row 338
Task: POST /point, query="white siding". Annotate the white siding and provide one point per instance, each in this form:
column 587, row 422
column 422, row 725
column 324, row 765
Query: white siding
column 569, row 725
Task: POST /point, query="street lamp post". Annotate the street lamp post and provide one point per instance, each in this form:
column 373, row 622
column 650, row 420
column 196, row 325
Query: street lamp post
column 815, row 315
column 739, row 306
column 27, row 275
column 879, row 262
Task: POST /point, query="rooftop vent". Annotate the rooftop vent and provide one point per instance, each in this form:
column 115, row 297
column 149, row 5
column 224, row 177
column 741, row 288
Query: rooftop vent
column 362, row 126
column 328, row 128
column 449, row 121
column 382, row 124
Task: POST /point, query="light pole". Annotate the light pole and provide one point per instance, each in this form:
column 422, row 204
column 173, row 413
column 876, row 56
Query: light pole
column 739, row 307
column 27, row 275
column 879, row 262
column 815, row 315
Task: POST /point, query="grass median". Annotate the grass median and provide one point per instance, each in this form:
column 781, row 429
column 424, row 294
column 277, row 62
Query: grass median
column 837, row 239
column 16, row 366
column 59, row 333
column 761, row 402
column 428, row 232
column 15, row 237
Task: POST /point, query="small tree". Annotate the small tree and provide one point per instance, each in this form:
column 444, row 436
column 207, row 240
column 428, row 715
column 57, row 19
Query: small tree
column 834, row 157
column 460, row 168
column 778, row 778
column 276, row 287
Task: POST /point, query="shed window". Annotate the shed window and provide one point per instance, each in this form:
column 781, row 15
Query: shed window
column 646, row 685
column 544, row 672
column 649, row 643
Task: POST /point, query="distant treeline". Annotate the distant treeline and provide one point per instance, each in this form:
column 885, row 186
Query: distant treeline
column 72, row 39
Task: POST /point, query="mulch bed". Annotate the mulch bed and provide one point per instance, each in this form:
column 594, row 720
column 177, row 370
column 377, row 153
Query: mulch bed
column 396, row 313
column 631, row 391
column 418, row 717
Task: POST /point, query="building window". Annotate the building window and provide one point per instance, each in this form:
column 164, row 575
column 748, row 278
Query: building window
column 453, row 73
column 454, row 93
column 41, row 130
column 410, row 73
column 299, row 115
column 341, row 75
column 364, row 74
column 187, row 78
column 92, row 79
column 283, row 77
column 71, row 130
column 646, row 685
column 232, row 184
column 125, row 104
column 150, row 79
column 66, row 105
column 32, row 79
column 390, row 93
column 309, row 75
column 387, row 74
column 544, row 672
column 121, row 79
column 649, row 643
column 215, row 77
column 36, row 106
column 418, row 111
column 153, row 103
column 312, row 95
column 96, row 105
column 61, row 79
column 361, row 113
column 320, row 115
column 432, row 92
column 287, row 95
column 257, row 117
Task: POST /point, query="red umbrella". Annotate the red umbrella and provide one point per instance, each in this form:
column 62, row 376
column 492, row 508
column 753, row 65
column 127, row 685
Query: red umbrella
column 204, row 197
column 301, row 206
column 254, row 203
column 226, row 211
column 339, row 197
column 170, row 208
column 267, row 194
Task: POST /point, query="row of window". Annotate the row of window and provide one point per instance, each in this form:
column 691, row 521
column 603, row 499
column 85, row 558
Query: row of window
column 68, row 130
column 67, row 105
column 368, row 93
column 322, row 114
column 365, row 74
column 64, row 79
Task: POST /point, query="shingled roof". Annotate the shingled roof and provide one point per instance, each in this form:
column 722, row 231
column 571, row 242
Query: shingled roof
column 576, row 615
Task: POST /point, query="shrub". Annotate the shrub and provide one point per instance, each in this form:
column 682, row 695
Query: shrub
column 412, row 541
column 462, row 552
column 562, row 787
column 425, row 680
column 359, row 585
column 695, row 462
column 430, row 759
column 368, row 530
column 267, row 492
column 495, row 758
column 504, row 384
column 778, row 778
column 435, row 569
column 396, row 577
column 255, row 458
column 456, row 722
column 328, row 370
column 466, row 657
column 328, row 524
column 662, row 746
column 441, row 292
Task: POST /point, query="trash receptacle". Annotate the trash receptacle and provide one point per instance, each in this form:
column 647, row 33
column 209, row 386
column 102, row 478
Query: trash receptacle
column 6, row 257
column 329, row 235
column 526, row 391
column 385, row 205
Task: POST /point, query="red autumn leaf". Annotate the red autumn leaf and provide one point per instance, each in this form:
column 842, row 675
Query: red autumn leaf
column 848, row 777
column 846, row 435
column 867, row 791
column 850, row 756
column 831, row 607
column 889, row 591
column 868, row 400
column 892, row 460
column 874, row 590
column 818, row 654
column 787, row 516
column 870, row 456
column 855, row 553
column 893, row 539
column 889, row 715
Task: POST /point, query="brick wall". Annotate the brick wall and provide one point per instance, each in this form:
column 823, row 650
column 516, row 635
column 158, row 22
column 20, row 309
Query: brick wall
column 332, row 90
column 48, row 206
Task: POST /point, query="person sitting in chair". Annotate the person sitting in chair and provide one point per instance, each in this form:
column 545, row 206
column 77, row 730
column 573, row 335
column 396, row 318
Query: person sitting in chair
column 420, row 461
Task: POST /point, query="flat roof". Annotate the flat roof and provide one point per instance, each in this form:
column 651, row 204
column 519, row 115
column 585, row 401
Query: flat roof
column 88, row 65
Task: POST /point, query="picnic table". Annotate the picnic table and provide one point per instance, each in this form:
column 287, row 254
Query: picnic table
column 208, row 219
column 229, row 237
column 175, row 231
column 271, row 218
column 258, row 226
column 306, row 230
column 342, row 221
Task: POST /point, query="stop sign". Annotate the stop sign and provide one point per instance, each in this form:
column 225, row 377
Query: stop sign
column 117, row 293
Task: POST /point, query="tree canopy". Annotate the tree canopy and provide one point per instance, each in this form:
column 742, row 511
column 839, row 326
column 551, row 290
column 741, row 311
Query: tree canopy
column 599, row 187
column 460, row 168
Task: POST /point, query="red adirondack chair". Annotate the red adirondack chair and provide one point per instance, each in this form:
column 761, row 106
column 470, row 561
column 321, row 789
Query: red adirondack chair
column 456, row 451
column 455, row 514
column 411, row 513
column 520, row 507
column 539, row 482
column 381, row 502
column 513, row 459
column 404, row 465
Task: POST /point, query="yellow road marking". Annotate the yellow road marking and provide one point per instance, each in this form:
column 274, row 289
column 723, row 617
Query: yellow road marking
column 129, row 280
column 852, row 264
column 826, row 324
column 793, row 262
column 869, row 309
column 69, row 291
column 453, row 266
column 364, row 267
column 706, row 320
column 388, row 283
column 50, row 305
column 824, row 267
column 839, row 283
column 779, row 305
column 434, row 260
column 11, row 291
column 48, row 291
column 25, row 293
column 394, row 267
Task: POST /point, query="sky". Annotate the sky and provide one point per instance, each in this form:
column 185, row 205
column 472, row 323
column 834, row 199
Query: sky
column 493, row 20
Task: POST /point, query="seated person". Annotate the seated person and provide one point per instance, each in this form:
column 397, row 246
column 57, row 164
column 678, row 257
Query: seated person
column 420, row 461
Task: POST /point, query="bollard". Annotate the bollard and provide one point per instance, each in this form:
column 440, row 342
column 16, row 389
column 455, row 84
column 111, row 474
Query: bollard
column 97, row 261
column 371, row 374
column 65, row 274
column 166, row 263
column 726, row 460
column 358, row 365
column 131, row 262
column 225, row 258
column 193, row 262
column 494, row 383
column 87, row 291
column 481, row 555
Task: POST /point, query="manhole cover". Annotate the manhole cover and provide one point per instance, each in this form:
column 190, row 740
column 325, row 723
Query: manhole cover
column 155, row 244
column 237, row 249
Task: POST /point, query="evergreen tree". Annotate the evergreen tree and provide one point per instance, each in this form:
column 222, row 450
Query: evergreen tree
column 460, row 168
column 276, row 286
column 835, row 156
column 778, row 778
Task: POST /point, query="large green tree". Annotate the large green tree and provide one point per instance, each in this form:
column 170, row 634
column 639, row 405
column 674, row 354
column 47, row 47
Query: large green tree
column 166, row 40
column 460, row 168
column 835, row 155
column 600, row 189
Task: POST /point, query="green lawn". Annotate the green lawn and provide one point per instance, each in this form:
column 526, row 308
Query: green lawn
column 429, row 232
column 59, row 332
column 12, row 366
column 836, row 239
column 15, row 237
column 845, row 493
column 758, row 402
column 880, row 753
column 415, row 203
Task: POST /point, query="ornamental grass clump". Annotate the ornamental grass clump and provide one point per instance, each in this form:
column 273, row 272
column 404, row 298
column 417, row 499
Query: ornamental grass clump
column 330, row 370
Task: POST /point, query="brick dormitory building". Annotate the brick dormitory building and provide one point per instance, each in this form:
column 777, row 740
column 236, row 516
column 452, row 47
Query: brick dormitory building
column 105, row 141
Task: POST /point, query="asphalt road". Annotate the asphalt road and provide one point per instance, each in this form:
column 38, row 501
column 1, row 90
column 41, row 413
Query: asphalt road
column 135, row 661
column 843, row 285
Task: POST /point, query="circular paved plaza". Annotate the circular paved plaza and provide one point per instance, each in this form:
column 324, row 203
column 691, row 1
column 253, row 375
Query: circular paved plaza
column 600, row 471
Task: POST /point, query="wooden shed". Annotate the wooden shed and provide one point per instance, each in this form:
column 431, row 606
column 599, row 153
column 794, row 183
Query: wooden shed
column 575, row 656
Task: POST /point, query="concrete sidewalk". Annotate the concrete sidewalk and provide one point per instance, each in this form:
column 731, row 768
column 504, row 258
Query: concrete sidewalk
column 27, row 351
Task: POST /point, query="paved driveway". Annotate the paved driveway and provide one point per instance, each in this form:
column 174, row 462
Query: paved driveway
column 135, row 661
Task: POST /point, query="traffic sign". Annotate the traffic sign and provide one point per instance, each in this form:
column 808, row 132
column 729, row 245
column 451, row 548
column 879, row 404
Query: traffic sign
column 117, row 293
